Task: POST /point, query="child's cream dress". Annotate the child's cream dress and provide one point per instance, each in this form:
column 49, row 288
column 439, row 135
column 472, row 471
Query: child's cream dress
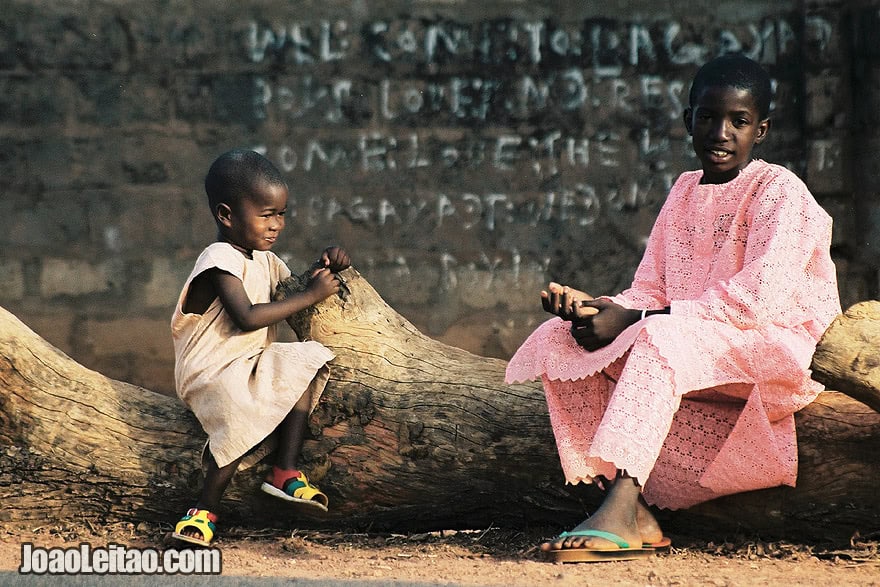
column 241, row 385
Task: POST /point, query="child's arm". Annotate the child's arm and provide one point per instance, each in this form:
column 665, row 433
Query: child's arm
column 248, row 316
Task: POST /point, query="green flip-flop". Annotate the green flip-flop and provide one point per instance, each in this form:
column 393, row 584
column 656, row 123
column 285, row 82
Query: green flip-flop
column 622, row 552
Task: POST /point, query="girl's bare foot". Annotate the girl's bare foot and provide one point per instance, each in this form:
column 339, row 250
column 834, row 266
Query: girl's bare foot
column 649, row 528
column 619, row 514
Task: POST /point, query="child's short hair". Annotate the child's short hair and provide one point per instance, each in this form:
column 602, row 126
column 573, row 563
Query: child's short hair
column 736, row 71
column 234, row 174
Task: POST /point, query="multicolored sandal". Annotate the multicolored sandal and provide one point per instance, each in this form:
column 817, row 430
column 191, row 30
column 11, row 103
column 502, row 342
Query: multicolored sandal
column 201, row 521
column 292, row 485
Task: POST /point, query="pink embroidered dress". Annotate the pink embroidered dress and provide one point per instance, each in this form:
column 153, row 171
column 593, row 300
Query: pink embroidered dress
column 240, row 385
column 699, row 403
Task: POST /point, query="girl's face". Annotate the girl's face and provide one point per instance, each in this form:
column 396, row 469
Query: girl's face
column 257, row 220
column 724, row 125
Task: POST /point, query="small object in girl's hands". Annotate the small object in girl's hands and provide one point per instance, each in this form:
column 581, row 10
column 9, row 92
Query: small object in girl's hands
column 344, row 290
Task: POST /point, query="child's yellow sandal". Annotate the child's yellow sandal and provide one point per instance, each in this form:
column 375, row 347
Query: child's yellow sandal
column 297, row 489
column 202, row 521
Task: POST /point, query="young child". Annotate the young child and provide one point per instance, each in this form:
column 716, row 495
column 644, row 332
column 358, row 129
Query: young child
column 683, row 387
column 249, row 393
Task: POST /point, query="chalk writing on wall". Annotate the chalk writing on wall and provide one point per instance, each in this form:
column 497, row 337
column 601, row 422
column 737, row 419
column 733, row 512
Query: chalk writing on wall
column 605, row 45
column 579, row 206
column 549, row 152
column 489, row 127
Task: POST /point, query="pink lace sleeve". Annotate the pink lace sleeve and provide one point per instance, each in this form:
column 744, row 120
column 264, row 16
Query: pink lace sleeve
column 648, row 289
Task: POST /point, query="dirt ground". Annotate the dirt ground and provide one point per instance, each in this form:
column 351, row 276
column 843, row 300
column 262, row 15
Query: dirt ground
column 491, row 556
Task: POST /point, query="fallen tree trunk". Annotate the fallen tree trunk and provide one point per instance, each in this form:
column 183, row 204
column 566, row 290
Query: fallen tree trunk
column 847, row 357
column 411, row 434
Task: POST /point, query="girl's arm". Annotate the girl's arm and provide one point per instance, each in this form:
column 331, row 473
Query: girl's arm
column 248, row 316
column 594, row 322
column 609, row 320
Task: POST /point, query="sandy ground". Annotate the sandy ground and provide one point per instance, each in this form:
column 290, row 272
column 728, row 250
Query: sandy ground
column 489, row 556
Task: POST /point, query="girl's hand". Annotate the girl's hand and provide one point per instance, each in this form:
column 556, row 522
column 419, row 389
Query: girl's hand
column 594, row 332
column 335, row 259
column 323, row 283
column 566, row 302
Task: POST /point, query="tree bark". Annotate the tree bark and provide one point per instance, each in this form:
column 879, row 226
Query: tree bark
column 410, row 434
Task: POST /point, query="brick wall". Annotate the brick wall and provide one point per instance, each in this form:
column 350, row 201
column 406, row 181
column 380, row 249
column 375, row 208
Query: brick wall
column 464, row 152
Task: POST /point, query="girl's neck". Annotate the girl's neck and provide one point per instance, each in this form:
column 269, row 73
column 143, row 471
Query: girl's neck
column 727, row 178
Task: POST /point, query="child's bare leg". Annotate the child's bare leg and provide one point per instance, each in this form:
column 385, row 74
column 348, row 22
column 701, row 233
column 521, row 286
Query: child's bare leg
column 618, row 514
column 285, row 480
column 216, row 481
column 291, row 432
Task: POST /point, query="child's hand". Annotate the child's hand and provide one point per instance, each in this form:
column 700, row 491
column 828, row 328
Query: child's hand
column 335, row 259
column 322, row 284
column 566, row 302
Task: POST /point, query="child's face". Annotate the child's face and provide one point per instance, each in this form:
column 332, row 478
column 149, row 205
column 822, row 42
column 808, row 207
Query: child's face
column 724, row 124
column 257, row 220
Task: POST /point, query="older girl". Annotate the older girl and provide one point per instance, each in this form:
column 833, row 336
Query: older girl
column 683, row 387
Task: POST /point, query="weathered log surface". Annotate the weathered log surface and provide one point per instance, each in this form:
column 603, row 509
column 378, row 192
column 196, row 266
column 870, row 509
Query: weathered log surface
column 410, row 434
column 847, row 357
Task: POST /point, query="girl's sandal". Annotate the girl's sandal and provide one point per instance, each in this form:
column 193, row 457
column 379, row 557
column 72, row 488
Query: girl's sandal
column 295, row 488
column 202, row 521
